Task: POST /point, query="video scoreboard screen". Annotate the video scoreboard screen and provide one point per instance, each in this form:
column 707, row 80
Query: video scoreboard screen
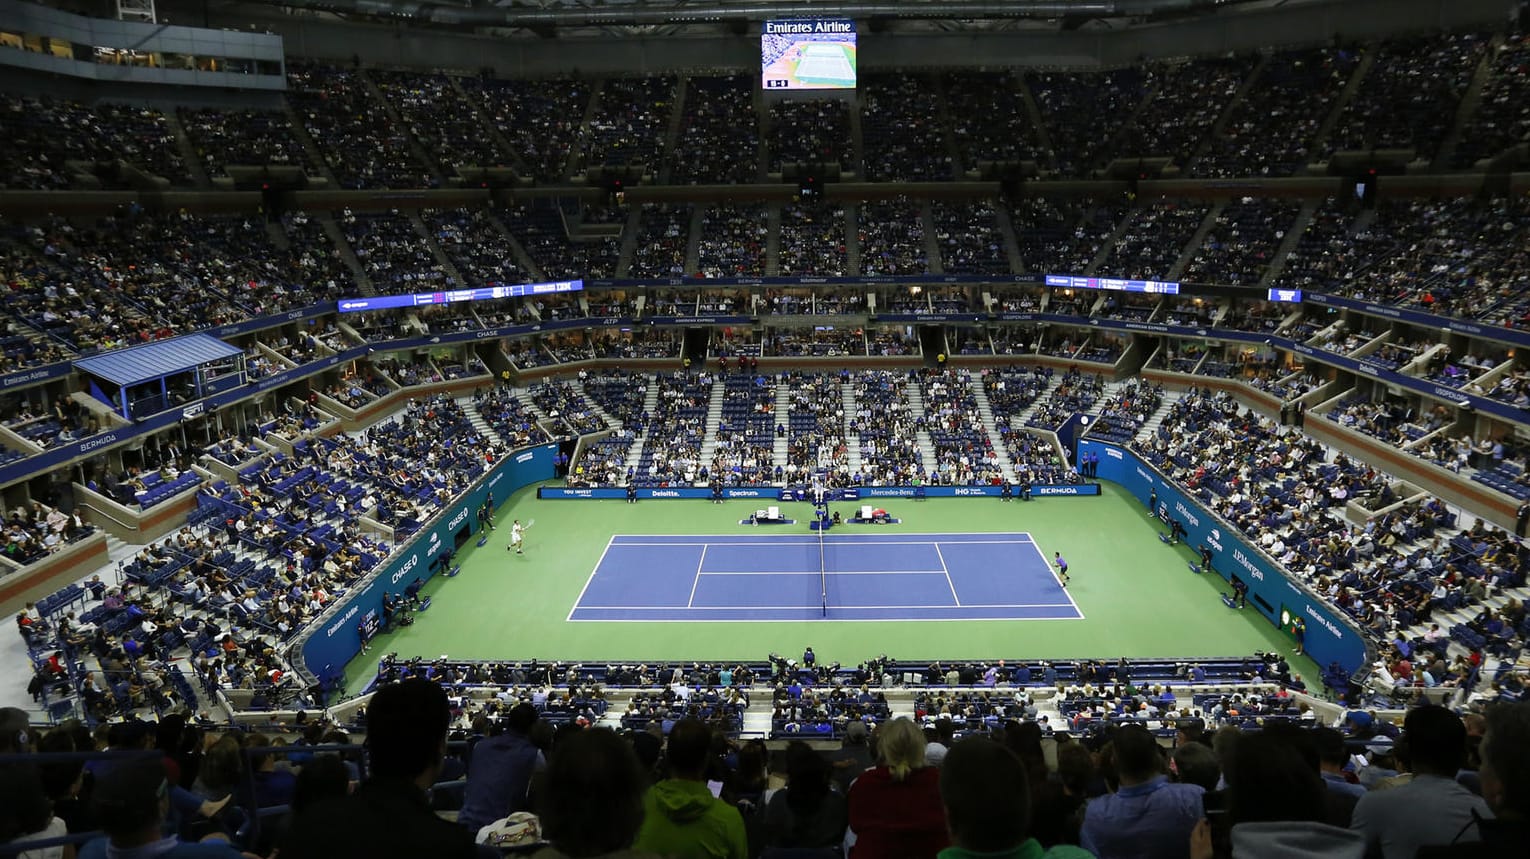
column 807, row 54
column 485, row 293
column 1114, row 284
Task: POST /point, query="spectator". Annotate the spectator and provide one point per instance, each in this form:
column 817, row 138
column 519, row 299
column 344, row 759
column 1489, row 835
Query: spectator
column 131, row 800
column 681, row 817
column 1433, row 808
column 1195, row 763
column 808, row 813
column 986, row 793
column 499, row 777
column 853, row 756
column 895, row 808
column 591, row 800
column 1277, row 804
column 1148, row 816
column 1505, row 752
column 26, row 812
column 389, row 816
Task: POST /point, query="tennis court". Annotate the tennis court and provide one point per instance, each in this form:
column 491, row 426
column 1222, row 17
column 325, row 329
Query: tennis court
column 788, row 577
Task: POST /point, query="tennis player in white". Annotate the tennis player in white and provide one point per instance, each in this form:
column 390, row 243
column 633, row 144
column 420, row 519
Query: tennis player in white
column 517, row 536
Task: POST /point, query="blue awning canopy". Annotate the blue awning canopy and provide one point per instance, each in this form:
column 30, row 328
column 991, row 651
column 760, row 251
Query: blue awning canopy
column 138, row 364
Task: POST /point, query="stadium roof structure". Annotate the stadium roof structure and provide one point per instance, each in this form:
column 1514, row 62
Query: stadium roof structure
column 548, row 17
column 138, row 364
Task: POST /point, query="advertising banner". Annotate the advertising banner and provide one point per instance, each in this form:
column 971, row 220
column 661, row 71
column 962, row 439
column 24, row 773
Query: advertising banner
column 1331, row 635
column 329, row 644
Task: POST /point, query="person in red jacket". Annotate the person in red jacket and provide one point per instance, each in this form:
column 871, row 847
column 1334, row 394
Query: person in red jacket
column 895, row 808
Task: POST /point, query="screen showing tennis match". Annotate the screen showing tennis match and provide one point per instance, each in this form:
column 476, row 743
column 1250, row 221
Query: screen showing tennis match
column 808, row 53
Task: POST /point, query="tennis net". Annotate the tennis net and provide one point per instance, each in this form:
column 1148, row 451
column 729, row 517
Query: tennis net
column 823, row 573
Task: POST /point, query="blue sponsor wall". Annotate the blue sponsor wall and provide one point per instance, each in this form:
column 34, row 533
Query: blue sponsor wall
column 1331, row 635
column 772, row 493
column 327, row 648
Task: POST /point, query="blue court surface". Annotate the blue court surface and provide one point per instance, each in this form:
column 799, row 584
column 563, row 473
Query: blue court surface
column 862, row 577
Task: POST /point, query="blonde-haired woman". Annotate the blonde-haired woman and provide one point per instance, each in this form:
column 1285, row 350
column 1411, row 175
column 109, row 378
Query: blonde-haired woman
column 895, row 808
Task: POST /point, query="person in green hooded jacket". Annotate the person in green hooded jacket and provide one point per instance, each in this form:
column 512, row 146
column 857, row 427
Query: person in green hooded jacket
column 681, row 817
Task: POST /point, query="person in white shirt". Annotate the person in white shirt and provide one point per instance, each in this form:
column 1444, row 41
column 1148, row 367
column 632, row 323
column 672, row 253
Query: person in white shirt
column 517, row 537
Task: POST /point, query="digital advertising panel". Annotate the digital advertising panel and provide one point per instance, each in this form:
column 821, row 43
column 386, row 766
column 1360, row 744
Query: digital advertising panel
column 808, row 54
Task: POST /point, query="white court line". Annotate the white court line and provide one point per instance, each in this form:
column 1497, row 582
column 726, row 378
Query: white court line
column 831, row 620
column 806, row 608
column 793, row 540
column 829, row 572
column 697, row 580
column 893, row 537
column 579, row 599
column 1058, row 579
column 947, row 572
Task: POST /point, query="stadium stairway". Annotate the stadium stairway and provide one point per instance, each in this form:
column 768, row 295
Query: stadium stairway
column 916, row 407
column 347, row 253
column 1362, row 68
column 714, row 420
column 488, row 126
column 1187, row 254
column 650, row 403
column 1289, row 243
column 310, row 148
column 610, row 419
column 991, row 429
column 436, row 251
column 547, row 422
column 476, row 419
column 781, row 446
column 852, row 439
column 1470, row 100
column 1024, row 416
column 416, row 151
column 188, row 150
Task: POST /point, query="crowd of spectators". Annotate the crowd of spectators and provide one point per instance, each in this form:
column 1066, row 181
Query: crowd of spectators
column 544, row 232
column 337, row 109
column 243, row 138
column 901, row 129
column 629, row 124
column 441, row 119
column 1500, row 120
column 541, row 118
column 1241, row 244
column 719, row 140
column 1152, row 243
column 813, row 240
column 810, row 131
column 815, row 428
column 733, row 240
column 1083, row 112
column 664, row 233
column 1061, row 236
column 989, row 120
column 1266, row 133
column 1288, row 495
column 671, row 454
column 1409, row 98
column 891, row 235
column 475, row 245
column 45, row 134
column 566, row 407
column 885, row 427
column 969, row 238
column 964, row 454
column 1186, row 100
column 395, row 256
